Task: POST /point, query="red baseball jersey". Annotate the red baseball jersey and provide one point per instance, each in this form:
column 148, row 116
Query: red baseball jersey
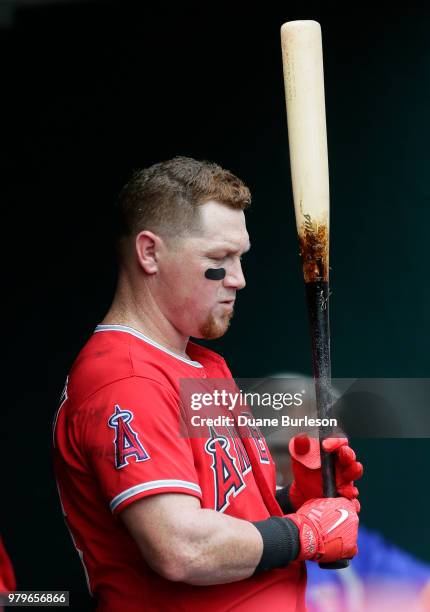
column 117, row 439
column 7, row 575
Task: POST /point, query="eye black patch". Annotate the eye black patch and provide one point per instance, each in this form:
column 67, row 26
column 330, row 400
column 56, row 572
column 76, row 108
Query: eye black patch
column 215, row 273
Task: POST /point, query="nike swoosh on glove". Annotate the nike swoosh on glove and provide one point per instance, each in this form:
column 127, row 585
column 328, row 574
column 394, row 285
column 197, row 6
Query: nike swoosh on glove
column 328, row 529
column 306, row 465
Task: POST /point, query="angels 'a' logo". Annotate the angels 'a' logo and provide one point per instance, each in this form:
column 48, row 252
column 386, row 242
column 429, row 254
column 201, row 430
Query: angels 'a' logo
column 127, row 443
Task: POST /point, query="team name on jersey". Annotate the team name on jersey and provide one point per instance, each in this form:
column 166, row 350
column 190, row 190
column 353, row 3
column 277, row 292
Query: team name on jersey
column 230, row 461
column 253, row 432
column 228, row 479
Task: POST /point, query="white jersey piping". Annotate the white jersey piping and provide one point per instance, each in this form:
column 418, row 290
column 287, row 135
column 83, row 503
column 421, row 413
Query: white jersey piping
column 138, row 334
column 153, row 485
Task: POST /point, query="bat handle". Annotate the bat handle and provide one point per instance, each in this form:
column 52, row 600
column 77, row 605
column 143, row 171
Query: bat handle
column 329, row 490
column 317, row 296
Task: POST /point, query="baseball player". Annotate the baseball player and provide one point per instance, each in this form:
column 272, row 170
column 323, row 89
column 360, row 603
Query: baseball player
column 163, row 521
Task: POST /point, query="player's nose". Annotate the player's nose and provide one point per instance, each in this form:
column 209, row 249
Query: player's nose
column 235, row 278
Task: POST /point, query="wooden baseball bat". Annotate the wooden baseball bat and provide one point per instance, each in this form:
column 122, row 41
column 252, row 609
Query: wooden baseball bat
column 307, row 135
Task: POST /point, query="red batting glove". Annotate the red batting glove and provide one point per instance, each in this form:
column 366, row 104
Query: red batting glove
column 306, row 464
column 328, row 529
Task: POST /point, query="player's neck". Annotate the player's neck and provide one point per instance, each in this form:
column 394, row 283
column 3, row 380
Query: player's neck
column 144, row 315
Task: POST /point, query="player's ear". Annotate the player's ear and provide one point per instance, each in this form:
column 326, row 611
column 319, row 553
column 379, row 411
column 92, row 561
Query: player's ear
column 147, row 246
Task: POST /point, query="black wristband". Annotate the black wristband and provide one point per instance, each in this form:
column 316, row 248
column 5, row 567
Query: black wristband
column 281, row 543
column 283, row 499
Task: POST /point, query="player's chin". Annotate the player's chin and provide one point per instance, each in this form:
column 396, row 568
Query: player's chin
column 215, row 327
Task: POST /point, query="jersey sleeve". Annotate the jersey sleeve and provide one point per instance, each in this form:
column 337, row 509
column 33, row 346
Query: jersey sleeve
column 131, row 438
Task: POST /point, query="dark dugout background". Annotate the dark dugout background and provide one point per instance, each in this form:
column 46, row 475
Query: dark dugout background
column 92, row 90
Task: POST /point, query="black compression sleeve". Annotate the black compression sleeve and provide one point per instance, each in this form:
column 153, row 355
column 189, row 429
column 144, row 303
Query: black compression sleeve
column 281, row 543
column 283, row 499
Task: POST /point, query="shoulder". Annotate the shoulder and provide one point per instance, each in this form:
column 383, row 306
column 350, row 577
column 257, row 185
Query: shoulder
column 113, row 360
column 101, row 361
column 114, row 405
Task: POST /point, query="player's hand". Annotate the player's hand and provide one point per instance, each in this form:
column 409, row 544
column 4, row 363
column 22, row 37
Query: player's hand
column 306, row 465
column 328, row 529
